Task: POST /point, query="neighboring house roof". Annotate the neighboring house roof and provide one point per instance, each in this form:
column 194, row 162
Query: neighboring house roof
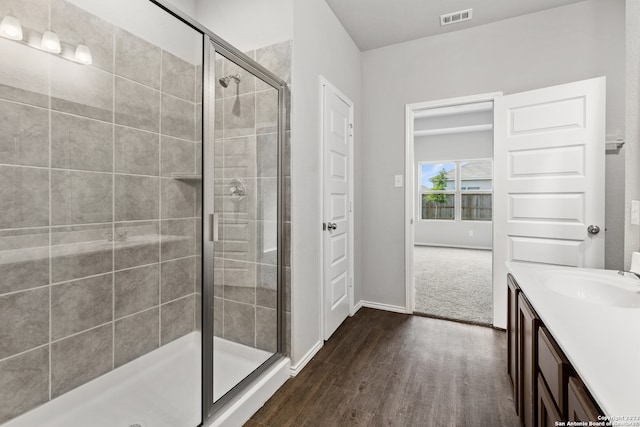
column 478, row 169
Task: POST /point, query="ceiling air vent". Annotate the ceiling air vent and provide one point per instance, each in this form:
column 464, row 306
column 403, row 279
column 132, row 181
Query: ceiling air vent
column 455, row 17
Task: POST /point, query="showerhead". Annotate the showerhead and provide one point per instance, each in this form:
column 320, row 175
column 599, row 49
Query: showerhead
column 224, row 82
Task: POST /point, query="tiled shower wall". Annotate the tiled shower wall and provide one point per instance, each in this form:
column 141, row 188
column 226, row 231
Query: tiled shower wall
column 246, row 151
column 99, row 260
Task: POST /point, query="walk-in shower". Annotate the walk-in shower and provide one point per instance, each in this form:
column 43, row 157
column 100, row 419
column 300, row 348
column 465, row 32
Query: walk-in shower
column 141, row 216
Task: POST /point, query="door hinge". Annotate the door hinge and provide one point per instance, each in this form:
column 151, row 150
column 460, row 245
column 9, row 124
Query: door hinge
column 351, row 282
column 350, row 129
column 350, row 206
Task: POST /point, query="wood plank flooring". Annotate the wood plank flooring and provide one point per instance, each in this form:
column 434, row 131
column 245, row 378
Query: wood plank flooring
column 388, row 369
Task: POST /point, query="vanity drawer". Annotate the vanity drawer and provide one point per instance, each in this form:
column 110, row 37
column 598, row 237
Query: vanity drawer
column 554, row 367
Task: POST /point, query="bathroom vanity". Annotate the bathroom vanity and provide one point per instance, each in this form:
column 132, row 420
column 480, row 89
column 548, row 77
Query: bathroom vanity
column 573, row 343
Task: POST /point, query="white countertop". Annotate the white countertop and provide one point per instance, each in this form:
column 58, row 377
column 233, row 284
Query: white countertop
column 602, row 342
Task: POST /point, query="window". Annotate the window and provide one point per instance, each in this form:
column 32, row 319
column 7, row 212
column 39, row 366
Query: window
column 460, row 190
column 437, row 190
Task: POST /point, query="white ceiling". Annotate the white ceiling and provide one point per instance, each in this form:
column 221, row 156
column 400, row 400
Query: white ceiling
column 377, row 23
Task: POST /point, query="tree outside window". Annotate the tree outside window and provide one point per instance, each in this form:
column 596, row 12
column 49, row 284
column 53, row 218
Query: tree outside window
column 459, row 190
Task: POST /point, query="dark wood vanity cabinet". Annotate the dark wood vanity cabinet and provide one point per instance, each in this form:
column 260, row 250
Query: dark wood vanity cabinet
column 546, row 387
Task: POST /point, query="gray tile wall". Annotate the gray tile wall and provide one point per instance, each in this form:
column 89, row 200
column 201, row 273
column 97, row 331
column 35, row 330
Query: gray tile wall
column 245, row 303
column 99, row 260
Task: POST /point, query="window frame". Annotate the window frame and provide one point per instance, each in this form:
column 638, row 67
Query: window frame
column 423, row 193
column 457, row 192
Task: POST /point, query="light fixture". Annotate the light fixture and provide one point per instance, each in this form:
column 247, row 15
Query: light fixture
column 50, row 42
column 83, row 54
column 10, row 28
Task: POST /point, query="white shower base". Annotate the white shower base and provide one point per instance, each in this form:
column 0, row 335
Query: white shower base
column 232, row 362
column 159, row 389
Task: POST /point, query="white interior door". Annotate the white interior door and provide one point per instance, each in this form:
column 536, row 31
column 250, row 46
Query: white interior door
column 337, row 252
column 549, row 180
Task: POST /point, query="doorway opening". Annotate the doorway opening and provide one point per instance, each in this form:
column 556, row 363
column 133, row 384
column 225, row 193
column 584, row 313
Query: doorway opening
column 450, row 156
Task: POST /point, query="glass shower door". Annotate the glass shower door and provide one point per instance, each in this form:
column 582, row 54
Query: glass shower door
column 242, row 177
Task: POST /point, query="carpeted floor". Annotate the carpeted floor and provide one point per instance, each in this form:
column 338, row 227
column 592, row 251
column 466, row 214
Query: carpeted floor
column 453, row 283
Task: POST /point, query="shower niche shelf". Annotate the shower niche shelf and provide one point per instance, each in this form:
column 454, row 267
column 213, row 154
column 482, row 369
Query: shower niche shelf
column 186, row 176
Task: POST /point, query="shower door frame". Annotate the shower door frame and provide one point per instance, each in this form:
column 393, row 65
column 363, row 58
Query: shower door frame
column 211, row 47
column 211, row 44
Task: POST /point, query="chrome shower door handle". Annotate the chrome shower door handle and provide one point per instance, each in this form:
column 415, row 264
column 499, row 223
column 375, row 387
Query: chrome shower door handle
column 593, row 229
column 213, row 226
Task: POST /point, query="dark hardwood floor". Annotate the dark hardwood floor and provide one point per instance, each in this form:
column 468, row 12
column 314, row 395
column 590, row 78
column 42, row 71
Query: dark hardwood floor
column 388, row 369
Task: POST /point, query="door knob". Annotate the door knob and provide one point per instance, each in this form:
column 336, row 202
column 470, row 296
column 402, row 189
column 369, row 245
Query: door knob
column 331, row 226
column 593, row 229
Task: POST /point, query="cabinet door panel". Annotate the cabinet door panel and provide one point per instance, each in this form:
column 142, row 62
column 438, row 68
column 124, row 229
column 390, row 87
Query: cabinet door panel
column 580, row 405
column 512, row 337
column 548, row 412
column 554, row 367
column 527, row 348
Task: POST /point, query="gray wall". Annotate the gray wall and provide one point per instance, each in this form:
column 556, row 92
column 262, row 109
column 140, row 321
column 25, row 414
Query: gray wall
column 98, row 255
column 321, row 46
column 247, row 24
column 561, row 45
column 632, row 182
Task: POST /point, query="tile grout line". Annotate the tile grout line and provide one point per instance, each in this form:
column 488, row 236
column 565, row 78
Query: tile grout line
column 222, row 121
column 91, row 224
column 113, row 204
column 160, row 145
column 96, row 327
column 50, row 215
column 45, row 345
column 195, row 199
column 94, row 171
column 255, row 225
column 93, row 276
column 93, row 119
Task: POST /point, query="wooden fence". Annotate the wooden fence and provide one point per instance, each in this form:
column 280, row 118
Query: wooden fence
column 475, row 207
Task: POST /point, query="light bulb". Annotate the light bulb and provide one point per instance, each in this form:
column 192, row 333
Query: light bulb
column 50, row 42
column 83, row 54
column 10, row 28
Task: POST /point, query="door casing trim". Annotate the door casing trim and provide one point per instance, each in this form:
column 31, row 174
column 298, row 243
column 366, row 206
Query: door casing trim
column 409, row 207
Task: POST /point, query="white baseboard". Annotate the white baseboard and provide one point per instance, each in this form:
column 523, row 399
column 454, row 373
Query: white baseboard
column 295, row 369
column 357, row 307
column 380, row 306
